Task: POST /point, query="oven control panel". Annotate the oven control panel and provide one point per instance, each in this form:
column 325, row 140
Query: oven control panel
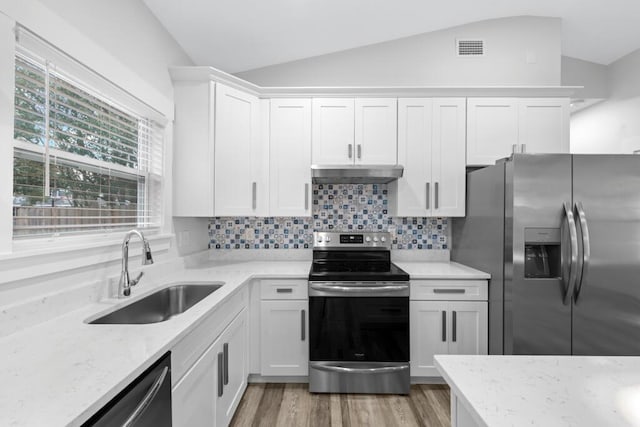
column 326, row 239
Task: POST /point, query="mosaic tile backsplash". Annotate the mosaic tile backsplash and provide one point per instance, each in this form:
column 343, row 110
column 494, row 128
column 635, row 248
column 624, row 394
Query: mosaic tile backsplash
column 336, row 207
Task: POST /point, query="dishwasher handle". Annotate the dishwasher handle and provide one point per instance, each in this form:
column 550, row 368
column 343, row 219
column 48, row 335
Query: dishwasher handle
column 147, row 399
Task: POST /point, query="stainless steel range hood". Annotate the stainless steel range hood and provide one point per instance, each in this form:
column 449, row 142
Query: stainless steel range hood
column 355, row 174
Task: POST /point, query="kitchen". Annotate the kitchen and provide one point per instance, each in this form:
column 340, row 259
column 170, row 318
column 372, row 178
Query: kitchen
column 231, row 195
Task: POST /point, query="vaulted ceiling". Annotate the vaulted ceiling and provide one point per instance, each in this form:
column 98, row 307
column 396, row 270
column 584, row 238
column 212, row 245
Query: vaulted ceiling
column 238, row 35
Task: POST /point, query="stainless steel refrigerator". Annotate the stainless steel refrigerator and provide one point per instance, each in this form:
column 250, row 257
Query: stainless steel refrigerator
column 560, row 236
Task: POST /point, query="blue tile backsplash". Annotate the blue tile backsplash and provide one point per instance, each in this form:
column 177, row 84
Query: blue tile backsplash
column 336, row 207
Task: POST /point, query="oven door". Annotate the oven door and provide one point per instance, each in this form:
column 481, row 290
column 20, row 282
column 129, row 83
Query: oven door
column 359, row 322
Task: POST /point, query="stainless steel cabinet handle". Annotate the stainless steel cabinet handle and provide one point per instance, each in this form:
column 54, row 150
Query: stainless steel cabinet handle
column 573, row 265
column 284, row 290
column 220, row 374
column 449, row 291
column 583, row 268
column 444, row 326
column 225, row 353
column 454, row 326
column 385, row 369
column 428, row 195
column 306, row 196
column 350, row 149
column 303, row 321
column 437, row 195
column 147, row 399
column 359, row 151
column 254, row 194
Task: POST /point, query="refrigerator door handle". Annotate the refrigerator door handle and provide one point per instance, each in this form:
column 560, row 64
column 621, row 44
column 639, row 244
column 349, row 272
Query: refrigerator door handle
column 586, row 250
column 573, row 266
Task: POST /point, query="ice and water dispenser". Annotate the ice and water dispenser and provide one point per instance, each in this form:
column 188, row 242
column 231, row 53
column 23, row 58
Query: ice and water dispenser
column 542, row 253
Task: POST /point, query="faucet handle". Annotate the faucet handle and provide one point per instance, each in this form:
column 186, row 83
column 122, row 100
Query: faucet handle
column 135, row 281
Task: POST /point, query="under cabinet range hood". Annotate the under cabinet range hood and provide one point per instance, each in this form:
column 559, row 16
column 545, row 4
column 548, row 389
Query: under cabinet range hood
column 355, row 174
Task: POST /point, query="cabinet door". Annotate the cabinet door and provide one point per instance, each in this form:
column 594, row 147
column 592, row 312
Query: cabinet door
column 233, row 343
column 238, row 154
column 448, row 157
column 414, row 153
column 290, row 157
column 193, row 156
column 332, row 134
column 193, row 398
column 429, row 336
column 376, row 131
column 492, row 129
column 469, row 333
column 544, row 125
column 283, row 338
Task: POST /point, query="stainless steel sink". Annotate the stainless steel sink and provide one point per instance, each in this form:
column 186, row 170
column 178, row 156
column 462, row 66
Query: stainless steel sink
column 161, row 305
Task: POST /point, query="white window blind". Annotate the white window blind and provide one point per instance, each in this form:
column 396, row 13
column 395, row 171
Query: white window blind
column 87, row 155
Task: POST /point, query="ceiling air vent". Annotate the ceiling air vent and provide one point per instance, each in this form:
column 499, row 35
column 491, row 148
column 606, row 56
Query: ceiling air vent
column 470, row 47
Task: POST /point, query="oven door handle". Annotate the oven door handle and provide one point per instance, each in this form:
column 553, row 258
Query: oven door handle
column 345, row 370
column 359, row 289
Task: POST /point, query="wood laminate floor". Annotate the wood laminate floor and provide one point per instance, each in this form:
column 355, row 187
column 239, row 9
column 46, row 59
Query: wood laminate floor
column 293, row 405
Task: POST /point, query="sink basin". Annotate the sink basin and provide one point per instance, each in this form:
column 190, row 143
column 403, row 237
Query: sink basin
column 161, row 305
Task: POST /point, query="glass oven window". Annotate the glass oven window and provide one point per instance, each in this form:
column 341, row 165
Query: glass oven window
column 372, row 329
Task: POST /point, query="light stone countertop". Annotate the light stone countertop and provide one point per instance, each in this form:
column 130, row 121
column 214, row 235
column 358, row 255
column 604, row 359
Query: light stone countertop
column 549, row 391
column 61, row 371
column 441, row 270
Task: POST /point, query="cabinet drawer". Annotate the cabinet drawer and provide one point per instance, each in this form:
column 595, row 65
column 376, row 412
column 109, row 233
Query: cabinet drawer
column 448, row 290
column 284, row 289
column 187, row 351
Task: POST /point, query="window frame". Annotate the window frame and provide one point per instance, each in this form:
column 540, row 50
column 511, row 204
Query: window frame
column 33, row 49
column 95, row 253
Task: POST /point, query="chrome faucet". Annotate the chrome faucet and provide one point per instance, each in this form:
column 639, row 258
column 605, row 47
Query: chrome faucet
column 125, row 284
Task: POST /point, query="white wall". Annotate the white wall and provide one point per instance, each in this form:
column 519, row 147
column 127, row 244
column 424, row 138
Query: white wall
column 430, row 59
column 612, row 126
column 594, row 78
column 123, row 41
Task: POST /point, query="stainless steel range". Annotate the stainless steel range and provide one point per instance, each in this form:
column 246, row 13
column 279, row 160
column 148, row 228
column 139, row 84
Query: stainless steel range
column 358, row 316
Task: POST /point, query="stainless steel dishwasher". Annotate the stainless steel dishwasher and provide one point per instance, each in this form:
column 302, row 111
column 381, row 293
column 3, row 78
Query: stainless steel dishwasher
column 146, row 402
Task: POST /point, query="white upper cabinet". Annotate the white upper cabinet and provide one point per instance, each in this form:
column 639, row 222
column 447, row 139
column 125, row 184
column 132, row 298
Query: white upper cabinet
column 290, row 157
column 193, row 161
column 241, row 163
column 333, row 131
column 415, row 123
column 354, row 131
column 492, row 129
column 376, row 130
column 544, row 125
column 448, row 152
column 431, row 147
column 532, row 125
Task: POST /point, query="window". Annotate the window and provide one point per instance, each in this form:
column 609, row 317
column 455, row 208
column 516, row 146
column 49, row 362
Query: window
column 84, row 161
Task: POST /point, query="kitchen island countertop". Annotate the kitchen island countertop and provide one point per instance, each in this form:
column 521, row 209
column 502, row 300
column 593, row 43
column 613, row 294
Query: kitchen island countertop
column 549, row 391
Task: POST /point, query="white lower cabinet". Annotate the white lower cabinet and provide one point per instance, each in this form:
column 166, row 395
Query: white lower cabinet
column 210, row 391
column 444, row 326
column 233, row 345
column 193, row 397
column 284, row 338
column 284, row 328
